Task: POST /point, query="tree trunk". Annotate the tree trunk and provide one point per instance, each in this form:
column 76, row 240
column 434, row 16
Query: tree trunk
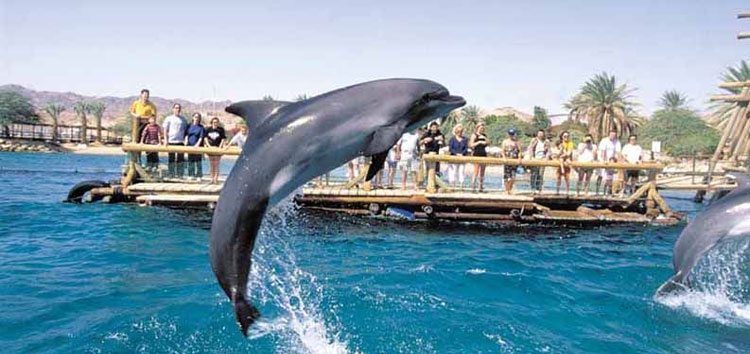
column 54, row 128
column 6, row 129
column 99, row 129
column 84, row 140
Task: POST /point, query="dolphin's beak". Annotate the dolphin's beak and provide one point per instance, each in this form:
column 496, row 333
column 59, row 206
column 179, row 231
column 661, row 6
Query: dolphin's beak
column 452, row 101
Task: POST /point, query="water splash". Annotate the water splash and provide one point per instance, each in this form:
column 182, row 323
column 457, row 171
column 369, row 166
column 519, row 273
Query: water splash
column 720, row 286
column 278, row 282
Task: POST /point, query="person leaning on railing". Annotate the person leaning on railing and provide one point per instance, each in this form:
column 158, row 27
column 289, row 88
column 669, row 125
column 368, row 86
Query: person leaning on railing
column 194, row 136
column 239, row 138
column 539, row 149
column 215, row 137
column 151, row 135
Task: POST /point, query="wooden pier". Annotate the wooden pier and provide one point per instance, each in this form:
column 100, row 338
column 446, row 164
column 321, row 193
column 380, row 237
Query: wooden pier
column 434, row 200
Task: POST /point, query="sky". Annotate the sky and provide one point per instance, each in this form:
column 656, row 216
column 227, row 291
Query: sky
column 494, row 53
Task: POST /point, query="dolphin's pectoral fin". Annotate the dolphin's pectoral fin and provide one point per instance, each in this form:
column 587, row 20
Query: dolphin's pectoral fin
column 378, row 160
column 384, row 138
column 255, row 112
column 246, row 314
column 673, row 285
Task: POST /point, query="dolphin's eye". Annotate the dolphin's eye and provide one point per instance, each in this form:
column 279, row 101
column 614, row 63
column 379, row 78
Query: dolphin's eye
column 425, row 98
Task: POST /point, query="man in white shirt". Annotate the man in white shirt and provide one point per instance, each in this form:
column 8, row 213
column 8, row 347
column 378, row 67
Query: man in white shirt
column 608, row 148
column 174, row 131
column 407, row 154
column 632, row 153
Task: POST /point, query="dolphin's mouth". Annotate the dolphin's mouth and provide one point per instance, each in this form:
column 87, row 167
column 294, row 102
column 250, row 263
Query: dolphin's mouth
column 447, row 99
column 456, row 101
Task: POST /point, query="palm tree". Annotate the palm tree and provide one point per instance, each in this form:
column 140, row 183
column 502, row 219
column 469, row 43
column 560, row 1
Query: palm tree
column 97, row 109
column 673, row 100
column 722, row 111
column 470, row 117
column 604, row 105
column 54, row 110
column 82, row 108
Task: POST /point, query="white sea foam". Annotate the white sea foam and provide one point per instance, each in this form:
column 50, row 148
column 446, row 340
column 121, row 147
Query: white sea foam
column 276, row 279
column 423, row 268
column 476, row 271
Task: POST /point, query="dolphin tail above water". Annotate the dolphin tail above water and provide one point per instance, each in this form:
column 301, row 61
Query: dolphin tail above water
column 290, row 143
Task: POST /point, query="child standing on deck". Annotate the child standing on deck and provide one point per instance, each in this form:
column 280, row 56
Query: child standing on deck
column 152, row 136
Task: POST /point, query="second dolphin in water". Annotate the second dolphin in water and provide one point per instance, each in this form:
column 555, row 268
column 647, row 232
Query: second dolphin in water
column 727, row 217
column 291, row 143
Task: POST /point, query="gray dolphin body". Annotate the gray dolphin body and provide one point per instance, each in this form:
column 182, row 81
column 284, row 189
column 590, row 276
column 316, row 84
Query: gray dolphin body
column 724, row 218
column 291, row 143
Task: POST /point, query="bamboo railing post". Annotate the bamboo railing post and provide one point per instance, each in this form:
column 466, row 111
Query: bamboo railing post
column 431, row 177
column 744, row 131
column 367, row 185
column 729, row 131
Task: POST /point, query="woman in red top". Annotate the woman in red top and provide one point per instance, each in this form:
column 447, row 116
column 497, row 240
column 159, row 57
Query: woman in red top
column 151, row 135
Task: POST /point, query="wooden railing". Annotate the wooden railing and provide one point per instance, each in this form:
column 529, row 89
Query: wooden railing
column 432, row 159
column 131, row 147
column 68, row 133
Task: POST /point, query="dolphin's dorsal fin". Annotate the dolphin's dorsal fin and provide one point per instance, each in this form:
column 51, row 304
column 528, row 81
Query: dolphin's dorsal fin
column 254, row 112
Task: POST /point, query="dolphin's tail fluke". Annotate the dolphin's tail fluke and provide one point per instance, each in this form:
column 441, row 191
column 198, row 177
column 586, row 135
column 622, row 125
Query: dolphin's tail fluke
column 246, row 314
column 672, row 285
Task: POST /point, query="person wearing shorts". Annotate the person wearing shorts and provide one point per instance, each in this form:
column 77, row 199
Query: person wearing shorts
column 608, row 147
column 478, row 144
column 407, row 153
column 392, row 163
column 511, row 149
column 586, row 153
column 565, row 147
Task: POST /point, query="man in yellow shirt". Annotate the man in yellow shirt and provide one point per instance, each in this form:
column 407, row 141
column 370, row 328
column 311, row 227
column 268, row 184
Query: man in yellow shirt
column 142, row 109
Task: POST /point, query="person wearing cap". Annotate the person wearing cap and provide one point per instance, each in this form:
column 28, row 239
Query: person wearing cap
column 510, row 149
column 586, row 153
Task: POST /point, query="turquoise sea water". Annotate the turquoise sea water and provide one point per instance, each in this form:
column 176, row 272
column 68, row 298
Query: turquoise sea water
column 101, row 278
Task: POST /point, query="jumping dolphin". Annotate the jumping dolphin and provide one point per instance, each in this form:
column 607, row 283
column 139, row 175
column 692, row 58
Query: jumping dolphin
column 291, row 143
column 724, row 218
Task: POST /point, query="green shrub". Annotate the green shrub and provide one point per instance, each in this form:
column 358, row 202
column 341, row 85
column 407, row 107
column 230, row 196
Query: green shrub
column 680, row 131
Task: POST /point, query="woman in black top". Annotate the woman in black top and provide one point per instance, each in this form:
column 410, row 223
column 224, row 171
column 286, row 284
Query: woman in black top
column 432, row 141
column 215, row 137
column 478, row 143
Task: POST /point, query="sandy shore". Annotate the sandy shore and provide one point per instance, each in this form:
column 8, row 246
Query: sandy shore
column 93, row 149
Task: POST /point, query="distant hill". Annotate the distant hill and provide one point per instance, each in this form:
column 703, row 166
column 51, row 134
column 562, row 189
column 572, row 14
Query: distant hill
column 507, row 111
column 117, row 107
